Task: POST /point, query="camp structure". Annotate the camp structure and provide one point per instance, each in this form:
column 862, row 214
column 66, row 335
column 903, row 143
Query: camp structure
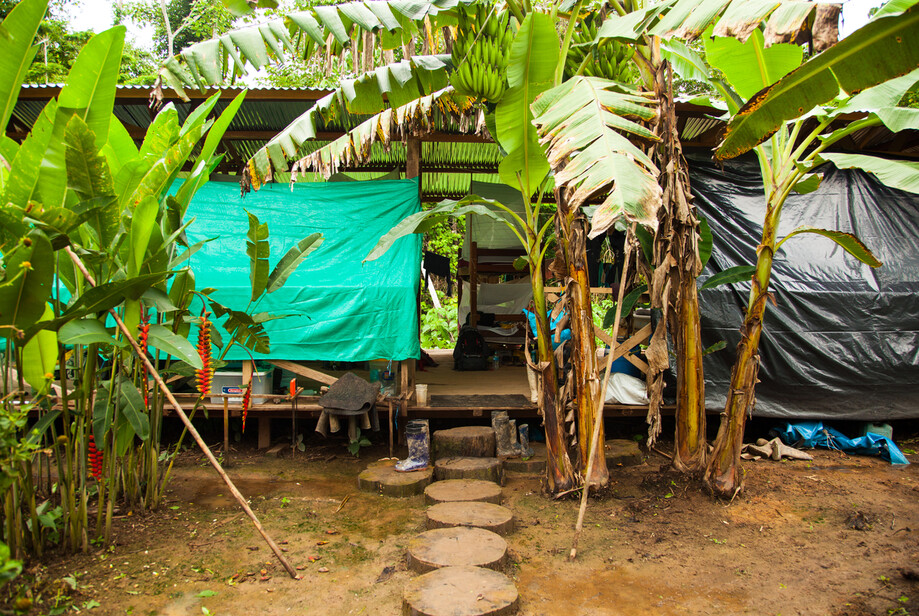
column 840, row 342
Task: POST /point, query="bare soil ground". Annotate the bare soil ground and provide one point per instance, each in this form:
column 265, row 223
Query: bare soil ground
column 837, row 536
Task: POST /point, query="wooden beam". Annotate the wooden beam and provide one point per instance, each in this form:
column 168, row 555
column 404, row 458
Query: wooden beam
column 304, row 371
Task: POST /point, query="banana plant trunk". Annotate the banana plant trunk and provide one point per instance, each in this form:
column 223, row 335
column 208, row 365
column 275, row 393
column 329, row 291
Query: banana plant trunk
column 677, row 264
column 571, row 230
column 723, row 475
column 559, row 471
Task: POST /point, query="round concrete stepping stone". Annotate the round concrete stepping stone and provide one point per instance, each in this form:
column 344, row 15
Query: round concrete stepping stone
column 450, row 547
column 381, row 478
column 466, row 490
column 460, row 591
column 489, row 516
column 534, row 465
column 464, row 442
column 486, row 469
column 622, row 452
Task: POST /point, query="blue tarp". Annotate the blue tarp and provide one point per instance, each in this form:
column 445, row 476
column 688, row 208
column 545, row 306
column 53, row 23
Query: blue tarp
column 815, row 434
column 344, row 309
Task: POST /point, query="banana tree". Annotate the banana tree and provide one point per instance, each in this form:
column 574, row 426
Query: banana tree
column 345, row 28
column 793, row 116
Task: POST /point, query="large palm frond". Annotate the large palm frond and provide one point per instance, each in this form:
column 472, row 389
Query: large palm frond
column 583, row 125
column 358, row 27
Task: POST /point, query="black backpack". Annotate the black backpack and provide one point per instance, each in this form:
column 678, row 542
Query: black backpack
column 470, row 352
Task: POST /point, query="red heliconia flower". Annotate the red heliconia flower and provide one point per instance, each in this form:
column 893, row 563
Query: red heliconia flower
column 142, row 334
column 94, row 459
column 247, row 399
column 204, row 375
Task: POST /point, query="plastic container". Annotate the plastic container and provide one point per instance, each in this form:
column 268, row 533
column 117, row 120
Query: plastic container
column 232, row 383
column 377, row 367
column 882, row 429
column 495, row 361
column 421, row 394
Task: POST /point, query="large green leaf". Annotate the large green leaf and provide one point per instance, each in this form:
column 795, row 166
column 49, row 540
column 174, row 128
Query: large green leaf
column 259, row 250
column 899, row 174
column 420, row 222
column 873, row 54
column 846, row 241
column 89, row 94
column 131, row 404
column 201, row 171
column 580, row 123
column 243, row 329
column 21, row 27
column 26, row 285
column 686, row 63
column 738, row 273
column 292, row 260
column 87, row 331
column 534, row 57
column 103, row 414
column 168, row 342
column 39, row 357
column 749, row 67
column 87, row 172
column 885, row 95
column 111, row 294
column 23, row 182
column 142, row 222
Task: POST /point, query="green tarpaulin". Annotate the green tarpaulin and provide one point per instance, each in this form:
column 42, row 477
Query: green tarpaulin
column 343, row 309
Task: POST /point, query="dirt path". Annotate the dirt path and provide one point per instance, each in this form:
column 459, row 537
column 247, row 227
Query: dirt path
column 657, row 545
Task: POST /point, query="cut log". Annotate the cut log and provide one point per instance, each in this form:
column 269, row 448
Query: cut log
column 486, row 469
column 382, row 478
column 622, row 452
column 451, row 547
column 464, row 442
column 533, row 465
column 467, row 490
column 489, row 516
column 460, row 591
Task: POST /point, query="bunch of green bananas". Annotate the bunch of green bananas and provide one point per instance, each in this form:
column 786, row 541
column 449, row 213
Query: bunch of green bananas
column 481, row 51
column 610, row 60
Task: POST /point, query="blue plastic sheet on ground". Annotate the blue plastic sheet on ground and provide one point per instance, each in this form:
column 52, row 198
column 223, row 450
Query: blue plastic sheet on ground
column 815, row 434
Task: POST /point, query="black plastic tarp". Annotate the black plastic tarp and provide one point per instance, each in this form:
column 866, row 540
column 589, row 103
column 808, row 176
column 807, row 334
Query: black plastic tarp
column 842, row 340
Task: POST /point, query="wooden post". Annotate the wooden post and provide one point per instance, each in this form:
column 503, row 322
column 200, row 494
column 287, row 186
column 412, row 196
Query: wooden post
column 264, row 432
column 412, row 170
column 473, row 284
column 226, row 430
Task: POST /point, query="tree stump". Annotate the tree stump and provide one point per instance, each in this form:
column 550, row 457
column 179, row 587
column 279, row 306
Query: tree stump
column 382, row 478
column 451, row 547
column 536, row 464
column 460, row 591
column 466, row 490
column 489, row 516
column 464, row 442
column 622, row 452
column 486, row 469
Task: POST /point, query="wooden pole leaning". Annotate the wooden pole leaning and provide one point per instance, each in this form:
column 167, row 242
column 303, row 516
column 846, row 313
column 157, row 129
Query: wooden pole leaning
column 191, row 429
column 598, row 416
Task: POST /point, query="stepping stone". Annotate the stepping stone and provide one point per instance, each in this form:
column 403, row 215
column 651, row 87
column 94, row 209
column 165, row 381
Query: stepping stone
column 466, row 490
column 450, row 547
column 623, row 452
column 382, row 478
column 534, row 465
column 464, row 442
column 489, row 516
column 486, row 469
column 460, row 591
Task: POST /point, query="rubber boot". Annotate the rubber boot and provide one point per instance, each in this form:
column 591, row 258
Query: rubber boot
column 417, row 437
column 515, row 444
column 525, row 450
column 501, row 425
column 533, row 383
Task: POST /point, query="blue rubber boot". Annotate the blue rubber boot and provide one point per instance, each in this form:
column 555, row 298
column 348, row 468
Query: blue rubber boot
column 525, row 449
column 417, row 436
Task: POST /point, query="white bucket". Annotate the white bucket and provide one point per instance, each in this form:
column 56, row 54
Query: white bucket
column 421, row 394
